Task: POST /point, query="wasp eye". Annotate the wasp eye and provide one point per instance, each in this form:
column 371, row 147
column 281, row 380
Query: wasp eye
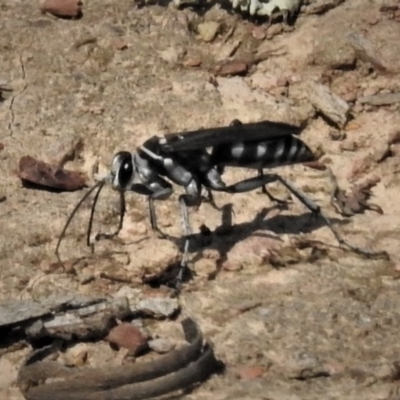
column 122, row 170
column 125, row 173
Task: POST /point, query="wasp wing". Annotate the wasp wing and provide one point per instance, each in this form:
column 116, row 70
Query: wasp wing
column 236, row 132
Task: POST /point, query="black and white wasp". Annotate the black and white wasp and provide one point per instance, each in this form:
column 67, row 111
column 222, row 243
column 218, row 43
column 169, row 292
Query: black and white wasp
column 196, row 160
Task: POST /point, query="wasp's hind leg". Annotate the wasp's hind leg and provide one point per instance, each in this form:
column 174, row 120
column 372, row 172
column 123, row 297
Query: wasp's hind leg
column 257, row 182
column 210, row 199
column 280, row 202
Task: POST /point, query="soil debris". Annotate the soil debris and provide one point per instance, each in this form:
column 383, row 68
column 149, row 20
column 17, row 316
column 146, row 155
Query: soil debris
column 242, row 66
column 231, row 68
column 357, row 201
column 365, row 50
column 382, row 99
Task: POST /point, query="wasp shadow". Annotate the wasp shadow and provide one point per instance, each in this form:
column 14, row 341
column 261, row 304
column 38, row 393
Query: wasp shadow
column 277, row 225
column 227, row 235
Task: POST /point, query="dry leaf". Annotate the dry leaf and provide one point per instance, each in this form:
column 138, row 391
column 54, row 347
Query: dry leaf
column 36, row 172
column 62, row 8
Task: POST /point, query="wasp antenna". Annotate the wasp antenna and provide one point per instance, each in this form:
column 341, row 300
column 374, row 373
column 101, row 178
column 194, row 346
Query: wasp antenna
column 96, row 197
column 74, row 211
column 122, row 211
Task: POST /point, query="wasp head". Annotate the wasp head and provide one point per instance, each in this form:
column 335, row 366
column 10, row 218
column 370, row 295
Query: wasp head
column 122, row 171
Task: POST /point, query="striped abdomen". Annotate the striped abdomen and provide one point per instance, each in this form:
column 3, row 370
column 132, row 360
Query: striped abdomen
column 262, row 154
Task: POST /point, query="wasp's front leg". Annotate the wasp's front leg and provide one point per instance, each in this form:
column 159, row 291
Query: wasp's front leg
column 157, row 189
column 122, row 211
column 192, row 198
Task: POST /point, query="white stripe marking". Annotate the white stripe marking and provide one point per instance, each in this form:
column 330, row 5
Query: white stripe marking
column 237, row 150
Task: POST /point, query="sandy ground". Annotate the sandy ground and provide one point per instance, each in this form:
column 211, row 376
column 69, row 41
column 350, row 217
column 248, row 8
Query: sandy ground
column 289, row 324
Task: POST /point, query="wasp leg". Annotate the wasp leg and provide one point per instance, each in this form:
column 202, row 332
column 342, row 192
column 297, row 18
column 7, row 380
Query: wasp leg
column 186, row 201
column 210, row 199
column 248, row 185
column 161, row 194
column 280, row 202
column 257, row 182
column 122, row 211
column 153, row 218
column 157, row 190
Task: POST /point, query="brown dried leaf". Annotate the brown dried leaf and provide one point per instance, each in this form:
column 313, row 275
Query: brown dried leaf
column 36, row 172
column 62, row 8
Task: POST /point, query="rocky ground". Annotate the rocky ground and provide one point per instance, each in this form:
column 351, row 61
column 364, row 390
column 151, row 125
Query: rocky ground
column 289, row 321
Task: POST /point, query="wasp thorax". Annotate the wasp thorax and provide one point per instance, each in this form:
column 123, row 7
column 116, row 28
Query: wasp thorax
column 122, row 170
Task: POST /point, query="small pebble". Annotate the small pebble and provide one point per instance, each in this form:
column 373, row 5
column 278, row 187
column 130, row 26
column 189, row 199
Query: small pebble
column 78, row 355
column 250, row 372
column 208, row 30
column 120, row 44
column 172, row 54
column 161, row 346
column 258, row 32
column 349, row 145
column 193, row 62
column 129, row 337
column 370, row 91
column 159, row 306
